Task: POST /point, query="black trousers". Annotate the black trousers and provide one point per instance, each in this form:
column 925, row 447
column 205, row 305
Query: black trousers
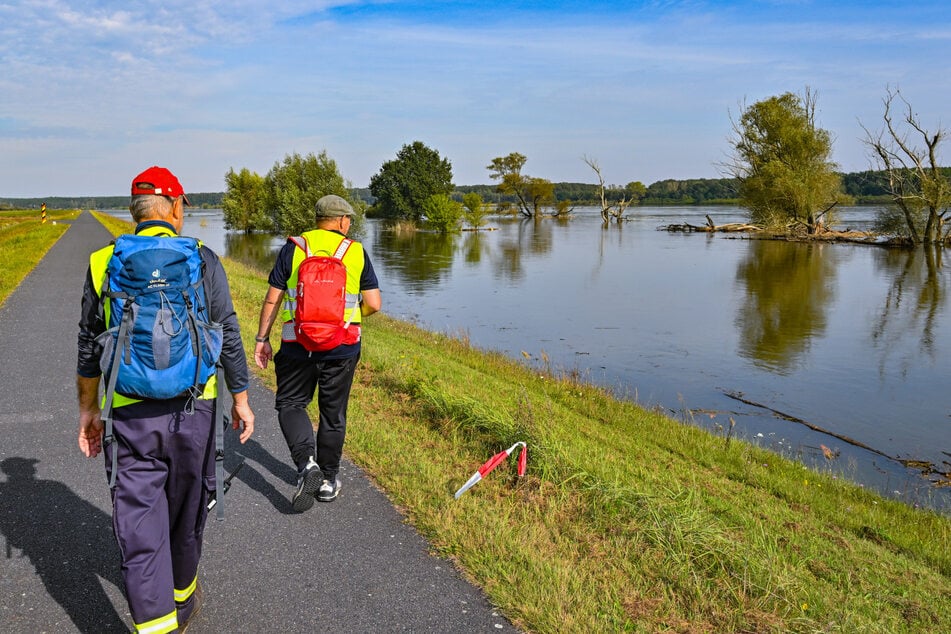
column 297, row 382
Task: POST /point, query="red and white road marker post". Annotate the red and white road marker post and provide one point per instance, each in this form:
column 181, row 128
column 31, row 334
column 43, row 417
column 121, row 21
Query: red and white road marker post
column 495, row 461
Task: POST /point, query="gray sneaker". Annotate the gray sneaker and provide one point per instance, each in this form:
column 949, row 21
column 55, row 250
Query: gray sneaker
column 329, row 490
column 308, row 482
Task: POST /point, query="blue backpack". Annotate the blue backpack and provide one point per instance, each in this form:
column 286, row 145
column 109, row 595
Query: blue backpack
column 159, row 342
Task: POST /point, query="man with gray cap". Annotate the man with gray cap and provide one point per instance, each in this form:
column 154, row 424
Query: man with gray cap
column 303, row 368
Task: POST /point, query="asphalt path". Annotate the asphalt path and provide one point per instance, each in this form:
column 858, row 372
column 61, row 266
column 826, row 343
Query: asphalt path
column 349, row 566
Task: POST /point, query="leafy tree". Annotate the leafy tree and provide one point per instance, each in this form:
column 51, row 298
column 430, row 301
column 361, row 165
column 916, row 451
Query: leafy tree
column 442, row 213
column 920, row 189
column 636, row 190
column 295, row 185
column 539, row 192
column 245, row 201
column 473, row 211
column 782, row 162
column 563, row 208
column 531, row 193
column 403, row 185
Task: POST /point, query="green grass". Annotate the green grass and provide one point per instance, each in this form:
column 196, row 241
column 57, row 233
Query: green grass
column 627, row 520
column 24, row 240
column 116, row 226
column 631, row 520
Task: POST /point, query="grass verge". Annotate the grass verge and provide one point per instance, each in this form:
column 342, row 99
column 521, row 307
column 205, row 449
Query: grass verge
column 24, row 240
column 627, row 520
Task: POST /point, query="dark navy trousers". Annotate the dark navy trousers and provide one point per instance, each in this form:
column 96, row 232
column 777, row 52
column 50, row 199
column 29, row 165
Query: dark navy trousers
column 166, row 474
column 298, row 379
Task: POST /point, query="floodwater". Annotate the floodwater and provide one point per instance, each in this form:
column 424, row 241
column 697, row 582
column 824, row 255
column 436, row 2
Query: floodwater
column 836, row 355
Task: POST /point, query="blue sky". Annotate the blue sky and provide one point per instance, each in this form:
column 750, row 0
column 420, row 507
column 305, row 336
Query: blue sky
column 92, row 92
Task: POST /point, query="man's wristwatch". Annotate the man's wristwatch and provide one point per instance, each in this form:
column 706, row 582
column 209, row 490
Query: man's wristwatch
column 261, row 339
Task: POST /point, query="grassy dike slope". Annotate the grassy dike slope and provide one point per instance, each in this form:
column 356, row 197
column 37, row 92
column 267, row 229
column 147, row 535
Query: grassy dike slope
column 627, row 520
column 24, row 240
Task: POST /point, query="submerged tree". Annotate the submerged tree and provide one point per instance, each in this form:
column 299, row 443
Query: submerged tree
column 442, row 213
column 244, row 204
column 295, row 185
column 539, row 192
column 609, row 209
column 403, row 185
column 531, row 193
column 473, row 209
column 913, row 178
column 782, row 163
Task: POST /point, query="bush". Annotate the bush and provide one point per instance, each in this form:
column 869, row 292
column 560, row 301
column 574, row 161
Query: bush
column 442, row 213
column 473, row 212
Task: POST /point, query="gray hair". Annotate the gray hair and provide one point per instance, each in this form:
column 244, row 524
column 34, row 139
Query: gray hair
column 150, row 207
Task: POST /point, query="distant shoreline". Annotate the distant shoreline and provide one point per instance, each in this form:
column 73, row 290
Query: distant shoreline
column 866, row 188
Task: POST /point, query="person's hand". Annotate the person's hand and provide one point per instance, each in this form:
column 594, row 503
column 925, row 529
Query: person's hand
column 262, row 353
column 242, row 417
column 90, row 432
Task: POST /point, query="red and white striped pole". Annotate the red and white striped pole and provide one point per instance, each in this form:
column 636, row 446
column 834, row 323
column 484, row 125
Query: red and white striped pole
column 493, row 462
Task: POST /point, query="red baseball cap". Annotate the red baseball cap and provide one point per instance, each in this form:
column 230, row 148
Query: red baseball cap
column 158, row 181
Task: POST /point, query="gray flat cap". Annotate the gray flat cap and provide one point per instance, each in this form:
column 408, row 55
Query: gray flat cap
column 332, row 206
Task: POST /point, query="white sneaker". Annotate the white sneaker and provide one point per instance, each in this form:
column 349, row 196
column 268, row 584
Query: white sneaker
column 329, row 490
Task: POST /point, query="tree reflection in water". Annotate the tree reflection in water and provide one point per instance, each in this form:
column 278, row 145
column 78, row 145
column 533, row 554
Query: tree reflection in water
column 419, row 258
column 254, row 249
column 788, row 289
column 913, row 306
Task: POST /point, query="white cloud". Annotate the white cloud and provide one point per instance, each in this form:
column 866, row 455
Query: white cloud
column 222, row 84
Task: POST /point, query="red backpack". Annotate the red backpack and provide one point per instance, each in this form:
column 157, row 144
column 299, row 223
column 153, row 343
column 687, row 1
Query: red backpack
column 321, row 299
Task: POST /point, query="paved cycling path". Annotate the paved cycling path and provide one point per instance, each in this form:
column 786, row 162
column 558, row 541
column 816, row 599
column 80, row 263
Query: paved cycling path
column 349, row 566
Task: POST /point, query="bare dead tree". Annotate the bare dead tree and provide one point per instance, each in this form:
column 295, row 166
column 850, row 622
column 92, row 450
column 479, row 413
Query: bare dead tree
column 914, row 179
column 608, row 210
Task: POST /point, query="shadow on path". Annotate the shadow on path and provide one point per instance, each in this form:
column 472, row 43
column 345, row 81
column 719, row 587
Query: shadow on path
column 252, row 451
column 68, row 540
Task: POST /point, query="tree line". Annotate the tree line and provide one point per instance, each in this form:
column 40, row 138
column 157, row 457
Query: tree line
column 866, row 187
column 205, row 200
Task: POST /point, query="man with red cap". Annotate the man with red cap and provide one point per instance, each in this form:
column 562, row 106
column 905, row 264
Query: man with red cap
column 162, row 451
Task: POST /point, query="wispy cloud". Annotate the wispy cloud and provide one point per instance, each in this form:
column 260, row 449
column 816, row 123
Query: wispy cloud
column 645, row 87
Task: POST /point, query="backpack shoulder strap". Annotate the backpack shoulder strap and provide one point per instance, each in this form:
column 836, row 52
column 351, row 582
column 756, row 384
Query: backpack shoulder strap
column 122, row 343
column 220, row 445
column 203, row 278
column 342, row 249
column 301, row 244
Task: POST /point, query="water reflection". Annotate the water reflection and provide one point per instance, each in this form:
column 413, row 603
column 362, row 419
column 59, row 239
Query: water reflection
column 474, row 247
column 537, row 234
column 420, row 259
column 531, row 237
column 787, row 291
column 913, row 305
column 254, row 249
